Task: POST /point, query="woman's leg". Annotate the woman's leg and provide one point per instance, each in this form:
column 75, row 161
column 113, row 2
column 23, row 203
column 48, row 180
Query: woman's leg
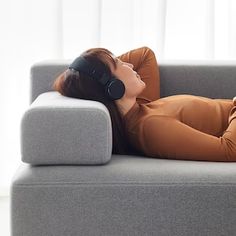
column 145, row 64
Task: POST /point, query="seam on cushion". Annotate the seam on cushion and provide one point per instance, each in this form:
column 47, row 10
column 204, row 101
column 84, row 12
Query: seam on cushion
column 199, row 184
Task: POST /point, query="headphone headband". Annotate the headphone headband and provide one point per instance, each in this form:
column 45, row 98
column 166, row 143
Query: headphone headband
column 81, row 64
column 114, row 88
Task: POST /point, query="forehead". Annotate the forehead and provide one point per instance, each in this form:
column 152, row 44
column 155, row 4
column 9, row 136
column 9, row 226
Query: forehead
column 111, row 59
column 118, row 61
column 113, row 62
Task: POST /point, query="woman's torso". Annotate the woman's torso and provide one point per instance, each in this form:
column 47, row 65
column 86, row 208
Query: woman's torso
column 201, row 113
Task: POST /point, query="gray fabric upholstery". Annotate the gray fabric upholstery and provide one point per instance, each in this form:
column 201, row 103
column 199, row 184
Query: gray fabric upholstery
column 61, row 130
column 43, row 74
column 214, row 79
column 129, row 196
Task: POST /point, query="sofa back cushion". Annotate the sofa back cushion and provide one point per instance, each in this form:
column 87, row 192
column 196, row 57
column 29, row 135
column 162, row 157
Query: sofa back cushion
column 214, row 79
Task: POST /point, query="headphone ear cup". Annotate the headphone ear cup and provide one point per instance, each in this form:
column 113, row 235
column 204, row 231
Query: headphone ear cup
column 115, row 89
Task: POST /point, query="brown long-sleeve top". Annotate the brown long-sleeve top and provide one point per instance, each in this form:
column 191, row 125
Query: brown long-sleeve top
column 180, row 126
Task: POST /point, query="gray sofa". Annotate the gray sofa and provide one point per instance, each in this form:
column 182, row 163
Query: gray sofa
column 69, row 182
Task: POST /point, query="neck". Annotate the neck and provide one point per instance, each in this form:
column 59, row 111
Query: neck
column 125, row 104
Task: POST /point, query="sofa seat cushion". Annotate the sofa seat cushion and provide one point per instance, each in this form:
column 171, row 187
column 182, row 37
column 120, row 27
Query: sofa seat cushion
column 133, row 170
column 130, row 195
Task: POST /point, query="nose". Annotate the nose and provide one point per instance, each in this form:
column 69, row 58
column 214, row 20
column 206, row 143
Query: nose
column 130, row 65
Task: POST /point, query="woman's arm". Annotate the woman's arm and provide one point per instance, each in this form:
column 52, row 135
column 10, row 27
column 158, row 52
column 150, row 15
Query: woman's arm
column 145, row 64
column 169, row 138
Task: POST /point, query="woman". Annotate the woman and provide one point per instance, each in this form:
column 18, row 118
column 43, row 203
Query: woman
column 177, row 127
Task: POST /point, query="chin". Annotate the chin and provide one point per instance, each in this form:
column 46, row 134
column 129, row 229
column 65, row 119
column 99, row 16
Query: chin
column 142, row 88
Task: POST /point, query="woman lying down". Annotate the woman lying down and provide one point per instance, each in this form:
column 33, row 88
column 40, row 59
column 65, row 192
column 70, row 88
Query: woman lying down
column 175, row 127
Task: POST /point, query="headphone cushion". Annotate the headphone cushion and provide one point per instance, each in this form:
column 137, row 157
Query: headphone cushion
column 115, row 89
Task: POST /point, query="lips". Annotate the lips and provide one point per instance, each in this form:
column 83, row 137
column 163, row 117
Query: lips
column 137, row 75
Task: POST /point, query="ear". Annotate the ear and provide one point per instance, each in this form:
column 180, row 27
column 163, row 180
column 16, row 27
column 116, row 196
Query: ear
column 115, row 89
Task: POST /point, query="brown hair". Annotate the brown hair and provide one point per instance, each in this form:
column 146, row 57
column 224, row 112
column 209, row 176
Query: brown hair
column 79, row 85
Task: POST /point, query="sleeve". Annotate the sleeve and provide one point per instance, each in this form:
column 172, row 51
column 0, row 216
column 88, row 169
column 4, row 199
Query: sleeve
column 145, row 64
column 169, row 138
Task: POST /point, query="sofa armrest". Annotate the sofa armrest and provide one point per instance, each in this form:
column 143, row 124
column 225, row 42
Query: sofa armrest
column 61, row 130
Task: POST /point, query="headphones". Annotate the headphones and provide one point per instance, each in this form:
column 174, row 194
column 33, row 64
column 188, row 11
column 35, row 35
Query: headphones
column 114, row 88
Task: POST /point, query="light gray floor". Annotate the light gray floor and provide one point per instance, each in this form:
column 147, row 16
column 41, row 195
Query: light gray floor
column 5, row 216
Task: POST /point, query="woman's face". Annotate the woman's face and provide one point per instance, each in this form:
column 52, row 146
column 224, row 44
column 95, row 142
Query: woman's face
column 132, row 81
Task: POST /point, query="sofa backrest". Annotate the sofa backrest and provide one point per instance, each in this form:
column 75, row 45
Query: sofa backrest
column 214, row 79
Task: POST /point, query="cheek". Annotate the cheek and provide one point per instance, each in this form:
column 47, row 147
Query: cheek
column 134, row 83
column 128, row 78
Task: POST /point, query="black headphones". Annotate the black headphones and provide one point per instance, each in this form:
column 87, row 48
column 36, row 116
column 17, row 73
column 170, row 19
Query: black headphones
column 114, row 88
